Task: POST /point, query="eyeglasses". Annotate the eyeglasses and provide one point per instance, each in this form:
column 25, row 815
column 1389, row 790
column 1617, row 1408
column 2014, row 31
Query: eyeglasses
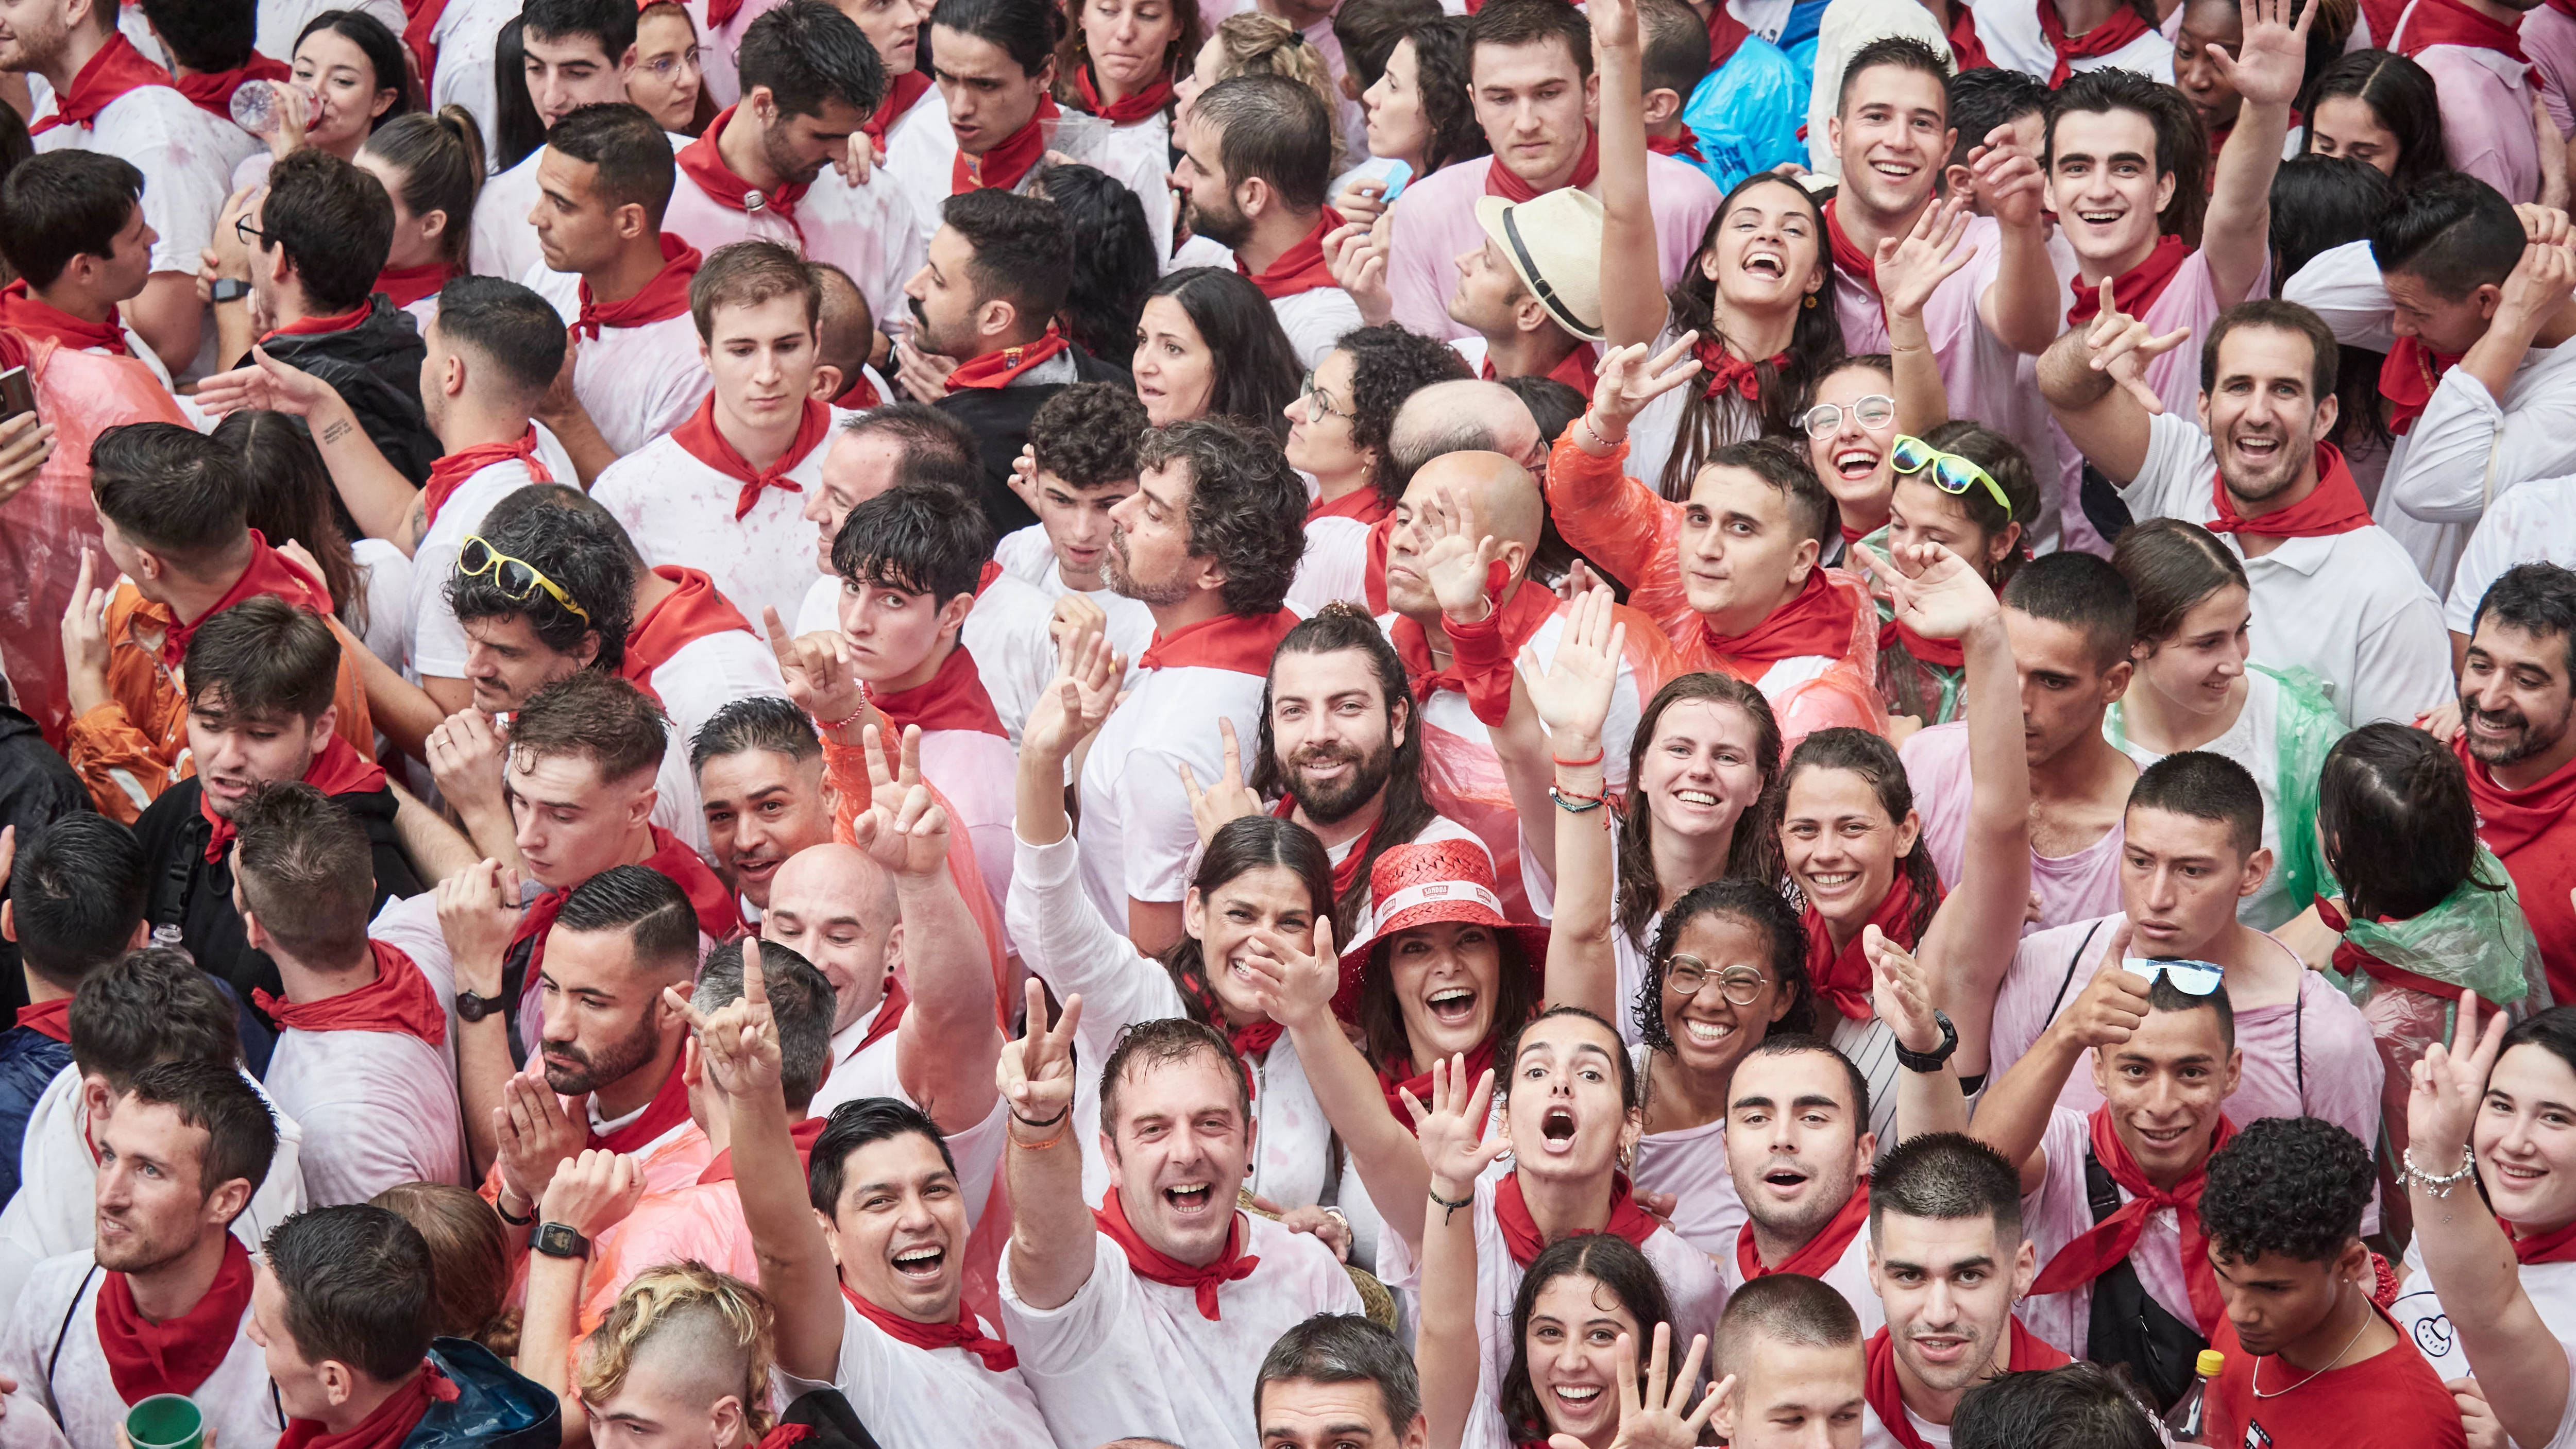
column 517, row 579
column 2192, row 978
column 1951, row 473
column 249, row 234
column 1741, row 985
column 1317, row 400
column 1873, row 412
column 671, row 65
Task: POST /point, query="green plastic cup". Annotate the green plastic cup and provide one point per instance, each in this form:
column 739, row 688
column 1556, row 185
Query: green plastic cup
column 166, row 1421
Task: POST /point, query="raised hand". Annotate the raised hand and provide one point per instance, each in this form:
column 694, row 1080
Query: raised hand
column 1629, row 378
column 2121, row 345
column 1024, row 480
column 1293, row 985
column 1936, row 593
column 2112, row 1005
column 2268, row 65
column 26, row 441
column 903, row 829
column 1456, row 561
column 478, row 913
column 593, row 1192
column 737, row 1042
column 1903, row 996
column 1452, row 1128
column 466, row 756
column 923, row 376
column 85, row 643
column 1614, row 24
column 2538, row 285
column 1229, row 799
column 2450, row 1082
column 1077, row 701
column 1359, row 266
column 1662, row 1418
column 1911, row 267
column 2009, row 180
column 535, row 1133
column 1572, row 692
column 1035, row 1073
column 821, row 679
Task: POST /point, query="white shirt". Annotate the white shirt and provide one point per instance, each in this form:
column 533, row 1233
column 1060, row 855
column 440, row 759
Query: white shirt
column 700, row 678
column 467, row 33
column 1007, row 633
column 1125, row 1356
column 2349, row 608
column 59, row 1306
column 2012, row 37
column 1334, row 566
column 379, row 1107
column 1690, row 1163
column 2253, row 741
column 679, row 510
column 637, row 383
column 182, row 153
column 1314, row 320
column 921, row 151
column 2535, row 523
column 1849, row 1276
column 907, row 1395
column 867, row 231
column 437, row 639
column 1137, row 834
column 2058, row 1213
column 2419, row 1316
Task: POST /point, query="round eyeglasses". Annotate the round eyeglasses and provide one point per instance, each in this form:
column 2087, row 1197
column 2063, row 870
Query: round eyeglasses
column 1741, row 985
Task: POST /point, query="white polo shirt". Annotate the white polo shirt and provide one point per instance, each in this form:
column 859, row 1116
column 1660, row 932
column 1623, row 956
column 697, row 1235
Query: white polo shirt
column 679, row 510
column 51, row 1346
column 921, row 151
column 380, row 1108
column 437, row 640
column 2348, row 607
column 637, row 383
column 867, row 231
column 2535, row 523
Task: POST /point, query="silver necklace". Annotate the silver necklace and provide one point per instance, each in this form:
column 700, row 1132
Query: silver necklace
column 2256, row 1379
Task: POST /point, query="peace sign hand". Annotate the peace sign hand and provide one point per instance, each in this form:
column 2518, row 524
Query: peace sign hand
column 2450, row 1082
column 821, row 679
column 1936, row 593
column 738, row 1042
column 1229, row 799
column 1628, row 379
column 903, row 829
column 1035, row 1073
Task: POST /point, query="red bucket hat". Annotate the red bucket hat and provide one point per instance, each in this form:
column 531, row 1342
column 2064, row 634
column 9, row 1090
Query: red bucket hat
column 1416, row 885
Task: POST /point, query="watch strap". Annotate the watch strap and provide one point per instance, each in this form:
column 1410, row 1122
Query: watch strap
column 558, row 1240
column 1937, row 1059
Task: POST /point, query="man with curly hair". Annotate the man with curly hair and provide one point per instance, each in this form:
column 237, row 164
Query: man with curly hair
column 2282, row 1214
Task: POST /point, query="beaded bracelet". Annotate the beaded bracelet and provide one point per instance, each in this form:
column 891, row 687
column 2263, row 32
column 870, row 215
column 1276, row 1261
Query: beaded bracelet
column 2438, row 1186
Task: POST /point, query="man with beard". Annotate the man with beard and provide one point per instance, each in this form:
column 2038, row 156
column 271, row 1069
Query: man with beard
column 760, row 783
column 1208, row 541
column 1798, row 1145
column 158, row 1304
column 987, row 296
column 578, row 54
column 2332, row 592
column 1260, row 154
column 2514, row 739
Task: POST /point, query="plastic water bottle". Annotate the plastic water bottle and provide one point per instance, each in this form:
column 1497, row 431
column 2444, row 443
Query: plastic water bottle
column 257, row 108
column 167, row 936
column 2189, row 1421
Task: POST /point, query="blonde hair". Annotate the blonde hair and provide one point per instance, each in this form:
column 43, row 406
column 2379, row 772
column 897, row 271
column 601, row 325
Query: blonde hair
column 709, row 1312
column 469, row 1263
column 1256, row 44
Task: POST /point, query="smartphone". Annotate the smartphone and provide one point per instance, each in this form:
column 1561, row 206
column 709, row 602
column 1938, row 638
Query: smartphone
column 17, row 393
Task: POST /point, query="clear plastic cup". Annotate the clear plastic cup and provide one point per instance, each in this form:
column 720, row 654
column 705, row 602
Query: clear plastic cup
column 256, row 107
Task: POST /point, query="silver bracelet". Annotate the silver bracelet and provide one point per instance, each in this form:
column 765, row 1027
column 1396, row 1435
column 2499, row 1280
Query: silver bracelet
column 2438, row 1186
column 1585, row 418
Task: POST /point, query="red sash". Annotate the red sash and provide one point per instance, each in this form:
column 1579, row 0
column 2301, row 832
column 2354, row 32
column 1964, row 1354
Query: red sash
column 668, row 1109
column 1001, row 168
column 802, row 1134
column 1686, row 144
column 1820, row 1253
column 1480, row 654
column 704, row 441
column 702, row 163
column 449, row 473
column 2333, row 506
column 2109, row 1241
column 2428, row 23
column 953, row 698
column 403, row 286
column 400, row 1000
column 337, row 769
column 1301, row 268
column 859, row 394
column 20, row 309
column 117, row 68
column 1127, row 109
column 1947, row 653
column 1396, row 1077
column 1816, row 621
column 1849, row 259
column 49, row 1018
column 386, row 1428
column 2103, row 39
column 317, row 326
column 689, row 613
column 1231, row 1266
column 2136, row 289
column 996, row 370
column 965, row 1332
column 2554, row 1247
column 1842, row 977
column 1364, row 503
column 1227, row 641
column 909, row 87
column 663, row 298
column 212, row 90
column 2511, row 820
column 175, row 1355
column 2407, row 380
column 270, row 572
column 1726, row 370
column 1502, row 181
column 1886, row 1393
column 1521, row 1234
column 2350, row 958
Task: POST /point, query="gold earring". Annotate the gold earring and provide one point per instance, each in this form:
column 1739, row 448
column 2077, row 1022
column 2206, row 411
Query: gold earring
column 1811, row 301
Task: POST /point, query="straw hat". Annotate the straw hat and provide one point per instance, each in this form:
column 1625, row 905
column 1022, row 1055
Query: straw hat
column 1416, row 885
column 1554, row 246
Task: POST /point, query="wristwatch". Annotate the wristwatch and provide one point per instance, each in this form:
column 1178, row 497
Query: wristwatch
column 558, row 1240
column 228, row 289
column 473, row 1007
column 1937, row 1059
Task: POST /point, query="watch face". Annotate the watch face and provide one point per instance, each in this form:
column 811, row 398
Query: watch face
column 558, row 1240
column 471, row 1007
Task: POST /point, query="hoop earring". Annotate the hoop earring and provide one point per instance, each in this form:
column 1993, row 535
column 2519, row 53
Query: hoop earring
column 1811, row 301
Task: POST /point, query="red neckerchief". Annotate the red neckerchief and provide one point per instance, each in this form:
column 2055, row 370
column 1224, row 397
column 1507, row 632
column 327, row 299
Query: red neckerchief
column 1725, row 36
column 1685, row 144
column 890, row 1008
column 709, row 899
column 269, row 572
column 996, row 370
column 859, row 395
column 2555, row 1247
column 1816, row 621
column 1966, row 49
column 668, row 1109
column 416, row 35
column 175, row 1355
column 1346, row 872
column 2407, row 380
column 117, row 68
column 1502, row 181
column 2109, row 1241
column 2428, row 23
column 1365, row 503
column 1726, row 370
column 1521, row 1234
column 1575, row 369
column 1820, row 1253
column 20, row 309
column 1150, row 1264
column 1127, row 109
column 2333, row 507
column 1947, row 653
column 337, row 769
column 1481, row 653
column 1251, row 1041
column 1842, row 977
column 1301, row 268
column 952, row 698
column 317, row 326
column 1228, row 641
column 1372, row 569
column 1399, row 1076
column 386, row 1428
column 909, row 87
column 800, row 1135
column 692, row 611
column 49, row 1018
column 2509, row 820
column 212, row 90
column 1886, row 1393
column 403, row 286
column 702, row 163
column 2136, row 289
column 1001, row 168
column 2103, row 39
column 2350, row 958
column 663, row 298
column 449, row 473
column 400, row 1000
column 965, row 1332
column 720, row 13
column 1849, row 259
column 701, row 439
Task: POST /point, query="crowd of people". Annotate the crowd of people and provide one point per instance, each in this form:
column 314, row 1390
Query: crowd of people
column 910, row 723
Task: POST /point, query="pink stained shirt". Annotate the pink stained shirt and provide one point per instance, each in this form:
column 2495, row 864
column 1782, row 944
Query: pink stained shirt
column 2549, row 38
column 1435, row 220
column 2057, row 1213
column 2486, row 113
column 869, row 232
column 2071, row 887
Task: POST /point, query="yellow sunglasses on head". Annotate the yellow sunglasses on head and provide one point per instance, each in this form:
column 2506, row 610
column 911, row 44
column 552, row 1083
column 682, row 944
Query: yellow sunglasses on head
column 517, row 579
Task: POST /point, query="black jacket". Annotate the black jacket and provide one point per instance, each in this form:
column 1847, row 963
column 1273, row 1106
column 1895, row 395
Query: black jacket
column 36, row 787
column 999, row 419
column 376, row 368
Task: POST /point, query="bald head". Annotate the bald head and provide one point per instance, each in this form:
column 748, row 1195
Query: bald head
column 1469, row 415
column 1502, row 495
column 833, row 906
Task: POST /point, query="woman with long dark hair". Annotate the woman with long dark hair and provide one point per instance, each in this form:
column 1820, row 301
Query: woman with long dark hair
column 292, row 500
column 1113, row 269
column 351, row 67
column 517, row 128
column 1419, row 111
column 1208, row 345
column 2379, row 108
